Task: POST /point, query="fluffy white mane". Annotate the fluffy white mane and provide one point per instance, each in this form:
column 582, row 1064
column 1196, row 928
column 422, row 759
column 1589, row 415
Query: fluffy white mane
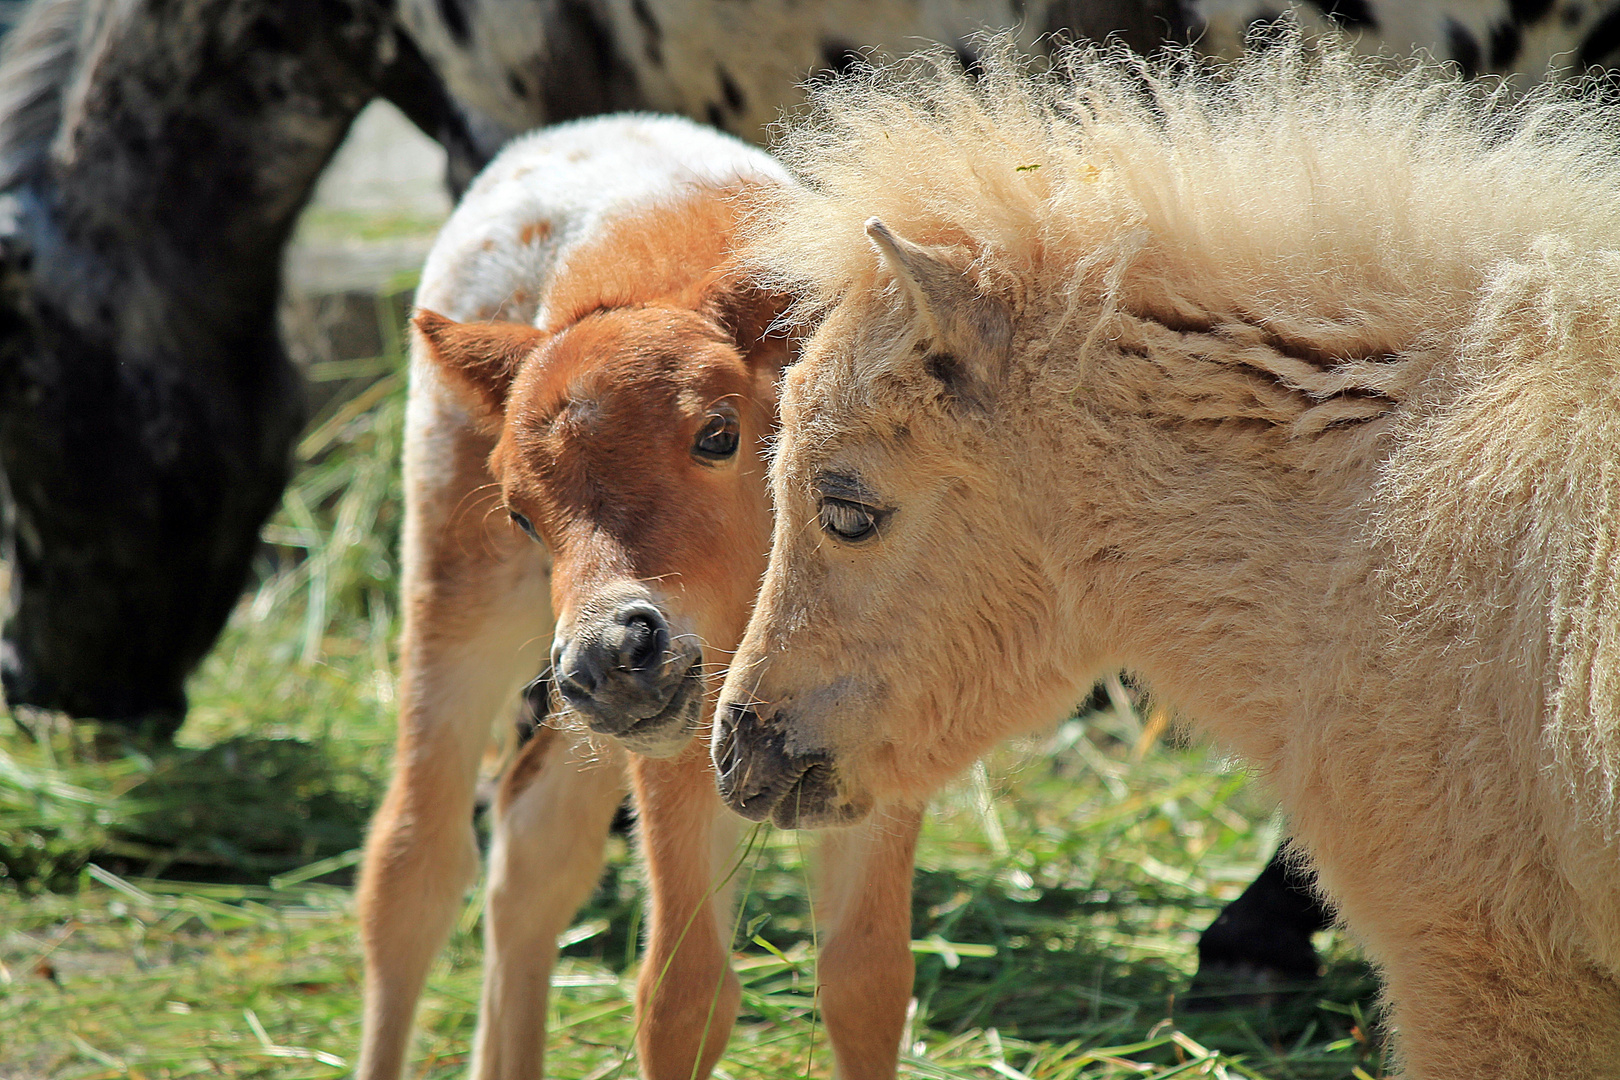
column 1344, row 205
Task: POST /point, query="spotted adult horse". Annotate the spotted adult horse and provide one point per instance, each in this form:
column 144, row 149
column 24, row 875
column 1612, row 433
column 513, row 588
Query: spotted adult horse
column 153, row 159
column 1530, row 39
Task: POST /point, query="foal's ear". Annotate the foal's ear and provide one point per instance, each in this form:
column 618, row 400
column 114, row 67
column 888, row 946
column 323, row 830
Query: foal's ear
column 754, row 318
column 971, row 333
column 480, row 358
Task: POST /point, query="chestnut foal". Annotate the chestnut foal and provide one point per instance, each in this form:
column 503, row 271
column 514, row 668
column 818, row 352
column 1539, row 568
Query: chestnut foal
column 593, row 431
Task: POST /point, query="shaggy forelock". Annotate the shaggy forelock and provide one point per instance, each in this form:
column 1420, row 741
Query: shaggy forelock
column 1301, row 184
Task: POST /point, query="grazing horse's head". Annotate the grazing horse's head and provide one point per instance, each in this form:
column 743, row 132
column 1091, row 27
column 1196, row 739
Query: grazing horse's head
column 631, row 424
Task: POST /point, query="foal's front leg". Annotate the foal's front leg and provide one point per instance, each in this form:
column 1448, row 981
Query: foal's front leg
column 1472, row 1000
column 687, row 994
column 477, row 614
column 552, row 814
column 865, row 967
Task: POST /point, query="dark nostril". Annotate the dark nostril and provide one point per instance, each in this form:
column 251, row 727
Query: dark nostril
column 537, row 694
column 642, row 636
column 732, row 718
column 641, row 645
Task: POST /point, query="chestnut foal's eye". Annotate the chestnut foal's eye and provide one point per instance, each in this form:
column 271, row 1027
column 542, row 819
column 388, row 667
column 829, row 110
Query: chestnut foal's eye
column 848, row 520
column 523, row 523
column 718, row 437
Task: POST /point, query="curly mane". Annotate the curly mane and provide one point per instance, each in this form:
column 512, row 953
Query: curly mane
column 1323, row 221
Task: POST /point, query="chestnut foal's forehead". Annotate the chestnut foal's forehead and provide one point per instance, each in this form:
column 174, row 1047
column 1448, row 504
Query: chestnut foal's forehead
column 600, row 432
column 644, row 364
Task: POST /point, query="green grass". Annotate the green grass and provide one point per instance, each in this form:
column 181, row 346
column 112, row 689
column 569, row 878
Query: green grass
column 187, row 912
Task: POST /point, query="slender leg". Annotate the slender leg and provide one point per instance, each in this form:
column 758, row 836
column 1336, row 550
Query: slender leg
column 477, row 616
column 866, row 967
column 687, row 994
column 1475, row 1001
column 553, row 811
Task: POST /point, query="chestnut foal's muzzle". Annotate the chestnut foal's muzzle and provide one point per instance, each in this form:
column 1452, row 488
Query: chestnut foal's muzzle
column 626, row 676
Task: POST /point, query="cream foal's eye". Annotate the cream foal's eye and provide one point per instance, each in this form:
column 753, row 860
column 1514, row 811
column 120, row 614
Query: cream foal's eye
column 847, row 520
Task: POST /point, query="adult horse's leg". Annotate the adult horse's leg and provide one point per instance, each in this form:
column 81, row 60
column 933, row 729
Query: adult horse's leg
column 865, row 968
column 477, row 621
column 1263, row 938
column 153, row 159
column 552, row 813
column 687, row 994
column 409, row 82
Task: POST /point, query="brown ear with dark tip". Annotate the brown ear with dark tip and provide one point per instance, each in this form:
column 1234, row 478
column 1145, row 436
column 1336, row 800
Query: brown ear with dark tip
column 754, row 318
column 960, row 317
column 971, row 332
column 480, row 358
